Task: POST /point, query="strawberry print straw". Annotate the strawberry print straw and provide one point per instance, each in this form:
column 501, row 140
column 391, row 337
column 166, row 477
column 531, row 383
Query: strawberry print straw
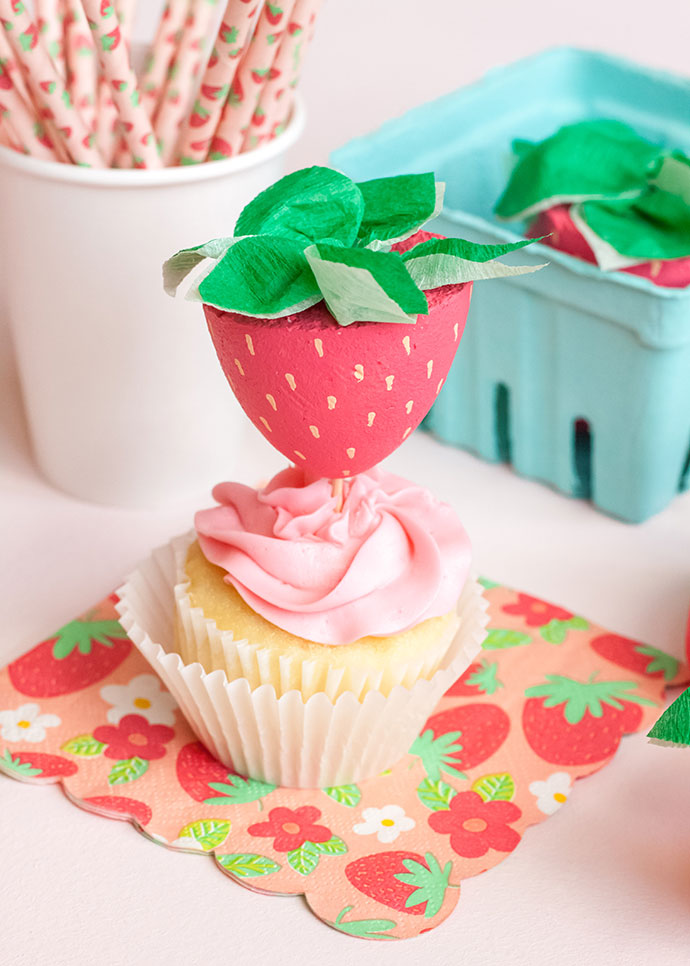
column 21, row 130
column 275, row 103
column 116, row 67
column 50, row 16
column 178, row 96
column 233, row 37
column 166, row 41
column 82, row 64
column 45, row 84
column 251, row 75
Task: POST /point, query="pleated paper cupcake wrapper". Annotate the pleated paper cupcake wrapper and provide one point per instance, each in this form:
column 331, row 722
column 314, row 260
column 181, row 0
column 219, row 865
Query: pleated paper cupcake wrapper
column 287, row 741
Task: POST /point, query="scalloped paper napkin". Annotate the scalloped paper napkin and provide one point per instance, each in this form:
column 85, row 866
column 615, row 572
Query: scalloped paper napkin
column 546, row 703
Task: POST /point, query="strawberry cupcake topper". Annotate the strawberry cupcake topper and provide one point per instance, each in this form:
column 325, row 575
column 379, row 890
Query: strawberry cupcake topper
column 290, row 300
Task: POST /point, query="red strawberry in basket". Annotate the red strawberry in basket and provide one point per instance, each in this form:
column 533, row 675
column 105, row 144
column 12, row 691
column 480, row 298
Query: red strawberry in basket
column 637, row 657
column 569, row 722
column 391, row 877
column 80, row 654
column 483, row 729
column 339, row 399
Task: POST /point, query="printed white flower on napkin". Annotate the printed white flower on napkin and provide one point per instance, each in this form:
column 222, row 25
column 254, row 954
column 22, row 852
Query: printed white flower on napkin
column 26, row 723
column 143, row 695
column 552, row 793
column 387, row 823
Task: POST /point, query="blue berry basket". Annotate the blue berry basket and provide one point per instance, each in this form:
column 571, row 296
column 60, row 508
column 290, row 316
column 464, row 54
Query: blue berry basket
column 577, row 377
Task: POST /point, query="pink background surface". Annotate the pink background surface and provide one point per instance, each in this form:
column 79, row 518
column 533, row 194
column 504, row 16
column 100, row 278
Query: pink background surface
column 606, row 880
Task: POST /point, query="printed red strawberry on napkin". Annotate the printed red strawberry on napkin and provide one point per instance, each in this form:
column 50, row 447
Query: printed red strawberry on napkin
column 546, row 703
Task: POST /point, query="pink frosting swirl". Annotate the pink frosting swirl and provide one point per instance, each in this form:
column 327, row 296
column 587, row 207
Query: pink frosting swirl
column 394, row 555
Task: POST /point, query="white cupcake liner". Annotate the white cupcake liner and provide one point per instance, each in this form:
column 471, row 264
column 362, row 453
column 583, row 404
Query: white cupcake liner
column 287, row 741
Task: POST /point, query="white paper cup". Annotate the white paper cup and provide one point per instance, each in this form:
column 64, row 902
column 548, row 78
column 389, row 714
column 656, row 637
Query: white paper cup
column 125, row 399
column 288, row 741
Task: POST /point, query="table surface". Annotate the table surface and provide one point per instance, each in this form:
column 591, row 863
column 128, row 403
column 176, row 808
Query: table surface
column 605, row 880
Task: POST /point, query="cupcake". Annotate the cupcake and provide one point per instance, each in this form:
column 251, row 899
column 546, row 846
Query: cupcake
column 309, row 628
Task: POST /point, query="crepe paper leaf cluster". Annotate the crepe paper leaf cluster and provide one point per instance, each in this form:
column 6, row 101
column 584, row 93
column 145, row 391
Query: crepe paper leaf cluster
column 437, row 753
column 247, row 865
column 84, row 746
column 317, row 235
column 208, row 833
column 23, row 768
column 436, row 795
column 83, row 634
column 495, row 788
column 348, row 795
column 630, row 197
column 673, row 727
column 555, row 632
column 485, row 678
column 238, row 791
column 127, row 770
column 430, row 883
column 499, row 638
column 365, row 928
column 306, row 858
column 581, row 697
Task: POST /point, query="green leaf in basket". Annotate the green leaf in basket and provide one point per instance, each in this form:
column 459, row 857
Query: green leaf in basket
column 208, row 832
column 127, row 770
column 238, row 791
column 85, row 746
column 304, row 859
column 247, row 864
column 654, row 226
column 366, row 928
column 499, row 638
column 436, row 795
column 495, row 788
column 334, row 846
column 348, row 795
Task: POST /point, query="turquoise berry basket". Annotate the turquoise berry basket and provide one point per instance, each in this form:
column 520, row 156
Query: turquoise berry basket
column 578, row 378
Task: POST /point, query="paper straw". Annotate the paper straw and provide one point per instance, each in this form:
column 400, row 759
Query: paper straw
column 107, row 123
column 49, row 14
column 46, row 86
column 249, row 80
column 126, row 10
column 179, row 91
column 116, row 67
column 233, row 37
column 82, row 63
column 166, row 41
column 275, row 103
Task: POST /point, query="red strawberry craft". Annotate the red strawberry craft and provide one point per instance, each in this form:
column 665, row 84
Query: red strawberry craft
column 291, row 299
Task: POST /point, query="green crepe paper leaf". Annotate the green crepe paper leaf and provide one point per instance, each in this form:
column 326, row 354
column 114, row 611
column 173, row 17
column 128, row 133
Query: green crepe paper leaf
column 674, row 176
column 430, row 883
column 495, row 788
column 348, row 795
column 673, row 726
column 182, row 263
column 436, row 795
column 437, row 753
column 261, row 276
column 499, row 638
column 395, row 208
column 127, row 770
column 209, row 833
column 238, row 791
column 85, row 746
column 586, row 160
column 366, row 928
column 655, row 226
column 304, row 859
column 247, row 864
column 360, row 285
column 451, row 261
column 334, row 846
column 306, row 206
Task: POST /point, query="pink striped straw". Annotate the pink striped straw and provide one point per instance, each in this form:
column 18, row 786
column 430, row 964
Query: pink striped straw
column 167, row 39
column 253, row 72
column 239, row 21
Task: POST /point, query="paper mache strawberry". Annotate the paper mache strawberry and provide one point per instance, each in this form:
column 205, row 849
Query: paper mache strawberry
column 598, row 190
column 334, row 317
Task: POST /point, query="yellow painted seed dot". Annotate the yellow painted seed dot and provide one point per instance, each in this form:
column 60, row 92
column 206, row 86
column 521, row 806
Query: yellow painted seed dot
column 389, row 382
column 438, row 388
column 351, row 452
column 142, row 703
column 239, row 366
column 265, row 422
column 408, row 406
column 299, row 455
column 455, row 331
column 331, row 402
column 271, row 402
column 290, row 380
column 429, row 368
column 370, row 419
column 359, row 372
column 314, row 431
column 319, row 347
column 406, row 343
column 250, row 344
column 407, row 432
